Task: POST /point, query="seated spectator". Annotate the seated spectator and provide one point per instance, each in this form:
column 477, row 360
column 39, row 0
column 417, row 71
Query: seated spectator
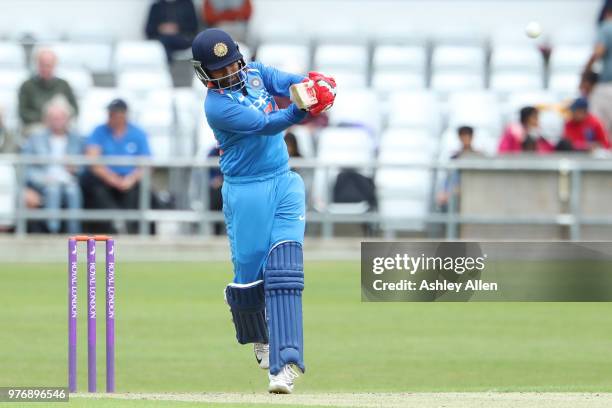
column 37, row 91
column 114, row 187
column 584, row 130
column 173, row 23
column 229, row 15
column 57, row 184
column 525, row 136
column 452, row 182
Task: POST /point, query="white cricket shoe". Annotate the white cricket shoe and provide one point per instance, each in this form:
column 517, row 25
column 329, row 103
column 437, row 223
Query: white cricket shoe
column 262, row 355
column 282, row 383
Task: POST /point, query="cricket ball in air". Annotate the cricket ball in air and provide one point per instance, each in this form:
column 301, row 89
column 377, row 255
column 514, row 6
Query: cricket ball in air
column 533, row 29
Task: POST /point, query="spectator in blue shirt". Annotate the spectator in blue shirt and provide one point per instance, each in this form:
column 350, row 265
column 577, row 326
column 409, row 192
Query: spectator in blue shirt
column 114, row 187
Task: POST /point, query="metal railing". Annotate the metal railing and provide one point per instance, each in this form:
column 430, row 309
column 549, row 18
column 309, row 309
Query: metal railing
column 568, row 167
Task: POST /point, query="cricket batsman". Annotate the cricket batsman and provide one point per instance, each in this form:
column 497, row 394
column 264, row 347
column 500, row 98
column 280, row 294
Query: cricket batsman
column 263, row 201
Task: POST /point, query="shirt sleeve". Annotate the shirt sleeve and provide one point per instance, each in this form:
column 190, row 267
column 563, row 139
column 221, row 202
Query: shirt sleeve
column 277, row 82
column 94, row 138
column 240, row 119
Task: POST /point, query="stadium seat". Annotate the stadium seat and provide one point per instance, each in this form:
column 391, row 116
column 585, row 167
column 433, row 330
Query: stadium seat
column 96, row 56
column 407, row 141
column 188, row 109
column 516, row 59
column 8, row 193
column 356, row 107
column 404, row 194
column 140, row 55
column 345, row 147
column 389, row 81
column 401, row 58
column 331, row 57
column 452, row 81
column 92, row 108
column 476, row 109
column 286, row 31
column 569, row 58
column 463, row 59
column 517, row 100
column 347, row 79
column 79, row 79
column 12, row 56
column 572, row 34
column 8, row 109
column 287, row 57
column 159, row 125
column 506, row 82
column 564, row 83
column 415, row 110
column 305, row 140
column 206, row 137
column 11, row 79
column 93, row 56
column 462, row 35
column 510, row 36
column 142, row 82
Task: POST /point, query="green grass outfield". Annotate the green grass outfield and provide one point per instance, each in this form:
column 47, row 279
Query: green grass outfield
column 174, row 335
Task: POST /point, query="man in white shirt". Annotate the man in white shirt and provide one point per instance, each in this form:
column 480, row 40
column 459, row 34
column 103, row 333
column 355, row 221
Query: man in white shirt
column 57, row 183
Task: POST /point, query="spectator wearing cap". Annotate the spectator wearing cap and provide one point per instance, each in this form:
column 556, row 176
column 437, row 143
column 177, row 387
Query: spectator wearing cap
column 37, row 91
column 525, row 136
column 601, row 97
column 114, row 186
column 173, row 23
column 57, row 184
column 584, row 130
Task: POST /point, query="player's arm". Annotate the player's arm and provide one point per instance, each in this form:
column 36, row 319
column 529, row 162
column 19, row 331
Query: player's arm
column 277, row 82
column 240, row 119
column 598, row 53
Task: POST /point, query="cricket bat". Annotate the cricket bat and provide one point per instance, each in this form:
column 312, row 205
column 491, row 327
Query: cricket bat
column 303, row 95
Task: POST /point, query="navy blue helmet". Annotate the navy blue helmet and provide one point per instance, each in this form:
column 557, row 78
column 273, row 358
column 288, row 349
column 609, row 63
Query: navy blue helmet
column 214, row 49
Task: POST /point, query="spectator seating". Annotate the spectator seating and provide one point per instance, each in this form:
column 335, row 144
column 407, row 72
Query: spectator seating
column 12, row 56
column 419, row 109
column 476, row 109
column 344, row 147
column 287, row 57
column 8, row 193
column 80, row 80
column 12, row 78
column 140, row 55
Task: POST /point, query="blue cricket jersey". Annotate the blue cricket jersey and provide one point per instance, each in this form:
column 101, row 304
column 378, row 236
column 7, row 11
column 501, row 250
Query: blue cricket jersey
column 249, row 129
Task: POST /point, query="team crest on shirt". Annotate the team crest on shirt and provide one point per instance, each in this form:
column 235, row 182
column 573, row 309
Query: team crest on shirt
column 131, row 148
column 256, row 83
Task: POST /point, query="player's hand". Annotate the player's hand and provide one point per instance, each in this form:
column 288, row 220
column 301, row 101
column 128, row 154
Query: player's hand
column 325, row 90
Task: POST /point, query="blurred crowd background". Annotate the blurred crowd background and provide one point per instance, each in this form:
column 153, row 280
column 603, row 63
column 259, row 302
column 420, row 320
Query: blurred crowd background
column 407, row 94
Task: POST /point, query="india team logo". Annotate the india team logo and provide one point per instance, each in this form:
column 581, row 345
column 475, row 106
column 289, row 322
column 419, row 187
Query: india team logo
column 220, row 49
column 256, row 83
